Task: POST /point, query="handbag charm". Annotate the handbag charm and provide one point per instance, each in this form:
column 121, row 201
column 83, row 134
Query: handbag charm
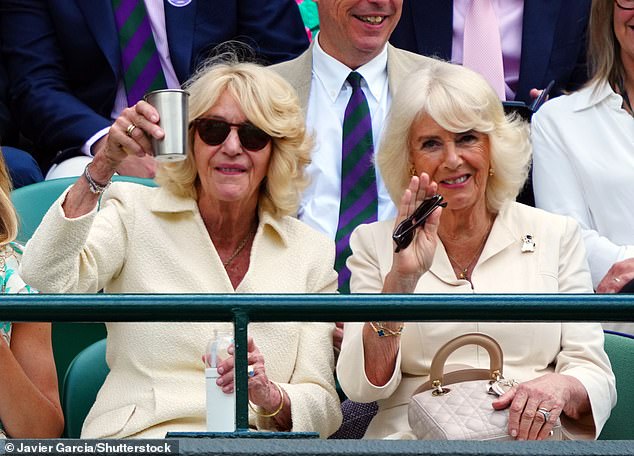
column 501, row 386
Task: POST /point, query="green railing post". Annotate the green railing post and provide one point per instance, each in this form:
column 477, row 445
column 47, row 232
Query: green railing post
column 240, row 325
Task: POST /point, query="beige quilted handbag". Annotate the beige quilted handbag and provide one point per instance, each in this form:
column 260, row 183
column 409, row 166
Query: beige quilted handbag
column 463, row 411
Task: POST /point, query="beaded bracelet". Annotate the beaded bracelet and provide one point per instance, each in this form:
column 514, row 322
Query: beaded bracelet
column 383, row 331
column 278, row 410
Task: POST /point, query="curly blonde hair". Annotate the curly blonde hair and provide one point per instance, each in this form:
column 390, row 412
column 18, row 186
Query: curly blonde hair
column 459, row 100
column 271, row 104
column 8, row 217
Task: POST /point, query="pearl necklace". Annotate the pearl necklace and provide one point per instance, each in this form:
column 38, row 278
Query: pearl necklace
column 238, row 249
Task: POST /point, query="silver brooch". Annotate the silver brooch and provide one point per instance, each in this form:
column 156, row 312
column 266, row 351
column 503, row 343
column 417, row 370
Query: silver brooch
column 528, row 244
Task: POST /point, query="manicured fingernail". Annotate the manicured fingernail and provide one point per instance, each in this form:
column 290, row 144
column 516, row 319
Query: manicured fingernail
column 219, row 382
column 221, row 370
column 514, row 433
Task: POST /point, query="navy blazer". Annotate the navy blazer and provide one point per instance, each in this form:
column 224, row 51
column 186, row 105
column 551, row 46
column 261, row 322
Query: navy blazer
column 7, row 131
column 63, row 57
column 553, row 40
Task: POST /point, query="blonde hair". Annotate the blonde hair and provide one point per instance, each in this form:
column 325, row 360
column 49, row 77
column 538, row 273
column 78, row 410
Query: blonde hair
column 269, row 103
column 459, row 100
column 8, row 217
column 604, row 50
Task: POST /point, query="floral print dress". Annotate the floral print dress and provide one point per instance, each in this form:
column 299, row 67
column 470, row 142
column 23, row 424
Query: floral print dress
column 10, row 282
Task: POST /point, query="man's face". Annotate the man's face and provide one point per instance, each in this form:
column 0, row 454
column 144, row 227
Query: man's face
column 355, row 31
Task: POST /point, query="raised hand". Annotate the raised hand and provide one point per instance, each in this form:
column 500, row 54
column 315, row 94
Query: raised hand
column 409, row 264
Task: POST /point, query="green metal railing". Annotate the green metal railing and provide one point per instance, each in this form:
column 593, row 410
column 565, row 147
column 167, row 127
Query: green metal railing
column 244, row 309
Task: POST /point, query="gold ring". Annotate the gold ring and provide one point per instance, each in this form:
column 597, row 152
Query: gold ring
column 251, row 371
column 130, row 129
column 617, row 280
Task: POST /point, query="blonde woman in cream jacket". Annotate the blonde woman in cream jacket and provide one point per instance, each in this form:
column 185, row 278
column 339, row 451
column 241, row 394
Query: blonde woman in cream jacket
column 220, row 223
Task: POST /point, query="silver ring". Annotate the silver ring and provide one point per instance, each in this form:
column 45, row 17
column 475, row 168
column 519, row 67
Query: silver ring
column 251, row 371
column 617, row 280
column 545, row 413
column 130, row 129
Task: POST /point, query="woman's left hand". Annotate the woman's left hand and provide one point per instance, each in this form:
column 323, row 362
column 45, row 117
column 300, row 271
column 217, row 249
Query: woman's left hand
column 548, row 396
column 262, row 391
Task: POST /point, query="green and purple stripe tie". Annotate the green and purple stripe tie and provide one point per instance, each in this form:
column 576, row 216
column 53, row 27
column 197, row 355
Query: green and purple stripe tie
column 358, row 179
column 142, row 70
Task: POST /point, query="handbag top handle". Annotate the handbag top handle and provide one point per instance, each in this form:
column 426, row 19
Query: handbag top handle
column 484, row 341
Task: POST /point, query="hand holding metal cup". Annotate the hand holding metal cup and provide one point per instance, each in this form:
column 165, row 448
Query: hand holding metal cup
column 172, row 106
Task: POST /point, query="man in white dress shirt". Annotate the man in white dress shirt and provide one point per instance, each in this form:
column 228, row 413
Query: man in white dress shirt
column 353, row 37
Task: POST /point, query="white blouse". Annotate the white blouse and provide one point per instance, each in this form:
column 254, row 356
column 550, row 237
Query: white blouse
column 583, row 166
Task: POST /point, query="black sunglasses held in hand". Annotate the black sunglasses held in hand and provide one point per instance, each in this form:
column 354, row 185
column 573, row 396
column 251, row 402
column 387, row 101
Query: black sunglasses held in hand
column 215, row 131
column 404, row 232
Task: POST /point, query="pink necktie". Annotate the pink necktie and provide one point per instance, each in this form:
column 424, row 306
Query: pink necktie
column 482, row 46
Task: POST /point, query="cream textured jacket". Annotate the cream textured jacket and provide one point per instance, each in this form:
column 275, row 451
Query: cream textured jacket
column 557, row 265
column 146, row 240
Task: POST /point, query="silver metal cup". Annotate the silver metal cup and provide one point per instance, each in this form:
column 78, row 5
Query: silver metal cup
column 172, row 106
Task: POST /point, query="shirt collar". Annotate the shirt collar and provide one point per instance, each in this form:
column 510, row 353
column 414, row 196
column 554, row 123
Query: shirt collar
column 165, row 201
column 595, row 94
column 332, row 73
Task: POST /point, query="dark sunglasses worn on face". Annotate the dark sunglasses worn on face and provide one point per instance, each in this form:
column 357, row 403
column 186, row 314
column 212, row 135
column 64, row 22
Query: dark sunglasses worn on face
column 404, row 232
column 625, row 4
column 215, row 131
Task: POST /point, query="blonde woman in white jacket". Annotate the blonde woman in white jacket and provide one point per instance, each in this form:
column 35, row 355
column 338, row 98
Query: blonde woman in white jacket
column 447, row 133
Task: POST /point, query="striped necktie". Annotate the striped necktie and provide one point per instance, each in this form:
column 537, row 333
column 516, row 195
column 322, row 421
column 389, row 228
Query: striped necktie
column 358, row 179
column 142, row 70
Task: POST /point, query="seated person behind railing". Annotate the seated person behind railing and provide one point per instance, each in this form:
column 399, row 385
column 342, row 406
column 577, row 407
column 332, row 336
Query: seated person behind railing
column 447, row 133
column 220, row 223
column 583, row 152
column 29, row 398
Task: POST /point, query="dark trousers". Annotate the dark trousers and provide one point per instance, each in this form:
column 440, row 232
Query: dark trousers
column 22, row 166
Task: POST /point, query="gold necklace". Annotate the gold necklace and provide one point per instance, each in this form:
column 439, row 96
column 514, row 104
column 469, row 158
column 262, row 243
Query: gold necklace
column 463, row 274
column 238, row 249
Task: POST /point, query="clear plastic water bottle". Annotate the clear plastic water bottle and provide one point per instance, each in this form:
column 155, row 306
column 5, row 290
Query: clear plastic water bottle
column 221, row 407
